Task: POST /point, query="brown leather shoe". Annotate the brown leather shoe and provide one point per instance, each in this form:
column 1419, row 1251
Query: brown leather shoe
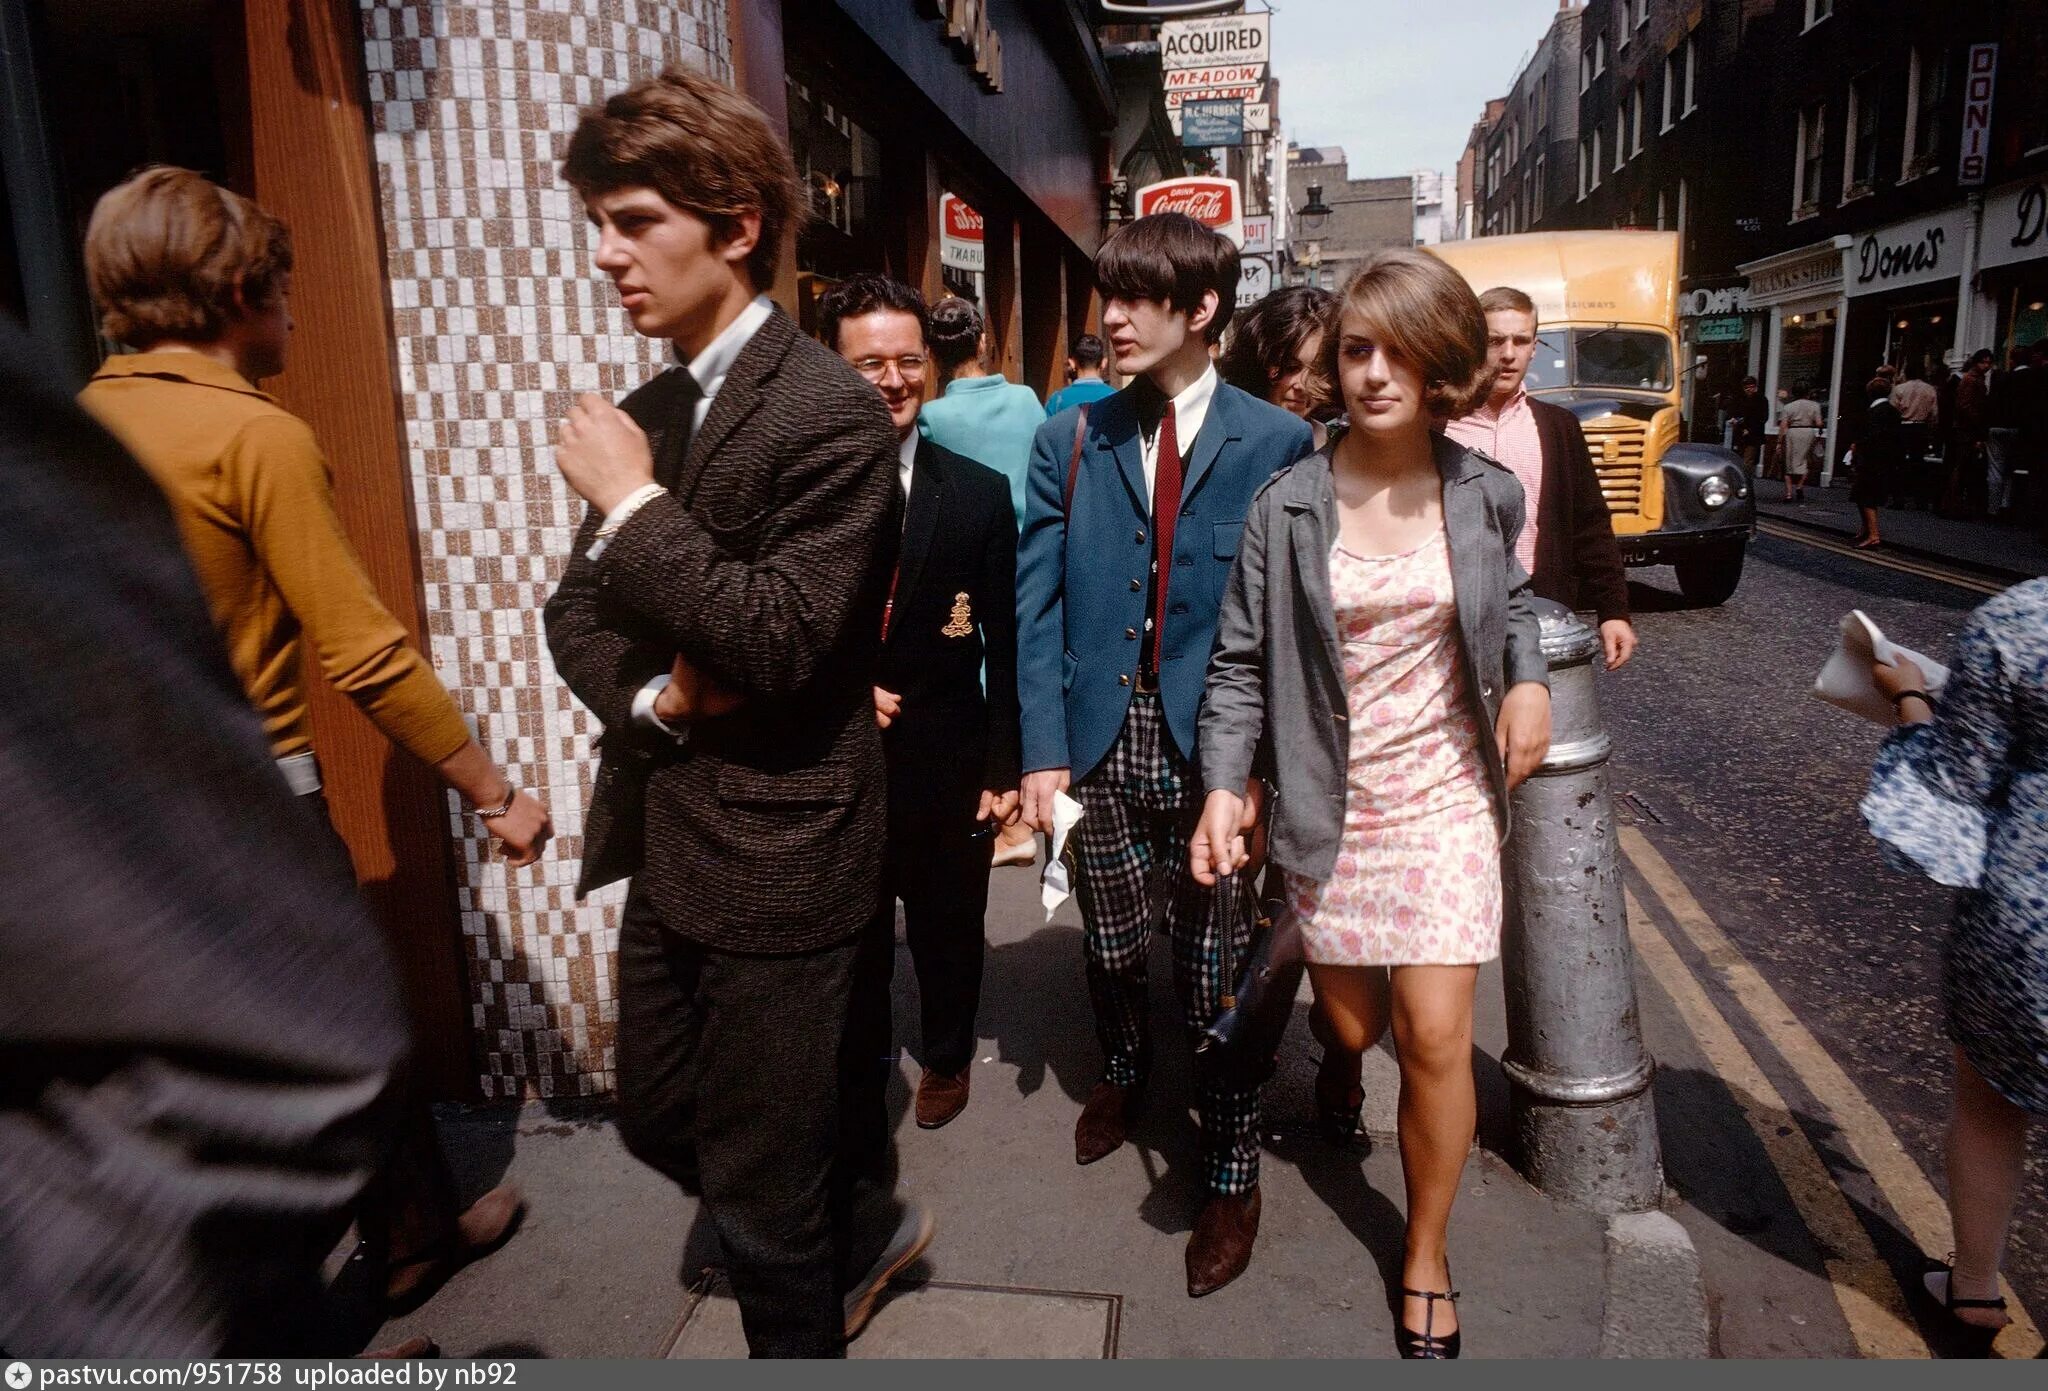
column 1100, row 1130
column 1221, row 1246
column 940, row 1098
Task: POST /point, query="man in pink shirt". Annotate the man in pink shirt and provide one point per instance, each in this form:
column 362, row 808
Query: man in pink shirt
column 1567, row 544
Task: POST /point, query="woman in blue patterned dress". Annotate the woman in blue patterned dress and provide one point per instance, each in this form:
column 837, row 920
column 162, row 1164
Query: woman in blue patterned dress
column 1961, row 793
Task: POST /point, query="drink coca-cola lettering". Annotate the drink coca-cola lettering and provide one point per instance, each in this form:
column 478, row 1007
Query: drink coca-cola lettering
column 962, row 220
column 1213, row 202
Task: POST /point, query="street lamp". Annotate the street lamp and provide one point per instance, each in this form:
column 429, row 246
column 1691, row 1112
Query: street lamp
column 1313, row 212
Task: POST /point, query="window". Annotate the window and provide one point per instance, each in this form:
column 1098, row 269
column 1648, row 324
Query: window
column 1536, row 190
column 1599, row 54
column 1589, row 164
column 1818, row 10
column 1806, row 160
column 1585, row 69
column 1542, row 118
column 1621, row 135
column 1691, row 66
column 1660, row 209
column 1859, row 153
column 1621, row 26
column 1926, row 94
column 1635, row 120
column 1642, row 13
column 1596, row 159
column 1674, row 73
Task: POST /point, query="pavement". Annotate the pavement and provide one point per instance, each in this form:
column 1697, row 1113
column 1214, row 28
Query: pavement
column 1994, row 548
column 1037, row 1257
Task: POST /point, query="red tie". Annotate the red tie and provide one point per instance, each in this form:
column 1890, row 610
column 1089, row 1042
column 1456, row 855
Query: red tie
column 1165, row 510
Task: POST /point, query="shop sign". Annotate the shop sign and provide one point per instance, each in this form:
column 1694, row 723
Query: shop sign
column 960, row 235
column 1239, row 82
column 1811, row 271
column 1201, row 43
column 1696, row 304
column 974, row 34
column 1217, row 204
column 1258, row 118
column 1720, row 328
column 1254, row 280
column 1981, row 78
column 1258, row 235
column 2015, row 226
column 1913, row 252
column 1204, row 125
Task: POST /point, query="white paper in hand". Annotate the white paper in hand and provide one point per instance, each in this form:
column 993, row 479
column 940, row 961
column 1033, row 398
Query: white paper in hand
column 1056, row 885
column 1845, row 680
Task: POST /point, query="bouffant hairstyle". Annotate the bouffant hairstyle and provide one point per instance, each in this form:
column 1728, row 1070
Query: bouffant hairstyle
column 954, row 332
column 868, row 293
column 700, row 145
column 1265, row 343
column 172, row 255
column 1174, row 260
column 1422, row 311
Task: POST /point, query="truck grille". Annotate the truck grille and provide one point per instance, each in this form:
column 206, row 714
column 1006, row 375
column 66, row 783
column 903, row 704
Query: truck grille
column 1618, row 459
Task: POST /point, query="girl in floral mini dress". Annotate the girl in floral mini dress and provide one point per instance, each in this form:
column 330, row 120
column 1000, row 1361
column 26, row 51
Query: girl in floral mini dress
column 1378, row 659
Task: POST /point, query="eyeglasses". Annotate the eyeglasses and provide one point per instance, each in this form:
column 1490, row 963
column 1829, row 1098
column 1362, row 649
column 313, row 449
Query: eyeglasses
column 910, row 367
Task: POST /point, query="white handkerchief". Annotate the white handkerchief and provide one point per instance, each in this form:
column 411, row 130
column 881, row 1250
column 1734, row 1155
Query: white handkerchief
column 1056, row 885
column 1846, row 681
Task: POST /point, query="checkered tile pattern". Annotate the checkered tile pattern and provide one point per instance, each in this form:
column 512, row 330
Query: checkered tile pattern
column 499, row 321
column 1130, row 848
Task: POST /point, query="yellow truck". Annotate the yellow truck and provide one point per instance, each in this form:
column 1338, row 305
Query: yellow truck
column 1607, row 350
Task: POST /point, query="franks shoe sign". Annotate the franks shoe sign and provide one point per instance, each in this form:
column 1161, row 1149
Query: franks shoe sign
column 1215, row 203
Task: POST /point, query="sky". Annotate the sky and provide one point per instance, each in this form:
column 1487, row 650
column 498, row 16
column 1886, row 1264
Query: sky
column 1397, row 83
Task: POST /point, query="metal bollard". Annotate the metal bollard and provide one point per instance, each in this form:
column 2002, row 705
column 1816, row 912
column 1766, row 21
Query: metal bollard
column 1578, row 1074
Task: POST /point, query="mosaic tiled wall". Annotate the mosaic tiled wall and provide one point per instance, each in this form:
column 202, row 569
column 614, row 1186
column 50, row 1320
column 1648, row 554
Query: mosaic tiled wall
column 499, row 322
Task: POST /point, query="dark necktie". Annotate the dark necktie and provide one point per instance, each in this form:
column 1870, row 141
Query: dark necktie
column 1165, row 511
column 675, row 440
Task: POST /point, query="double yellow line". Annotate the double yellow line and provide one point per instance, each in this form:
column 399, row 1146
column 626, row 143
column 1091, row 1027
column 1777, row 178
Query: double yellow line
column 1870, row 1295
column 1890, row 560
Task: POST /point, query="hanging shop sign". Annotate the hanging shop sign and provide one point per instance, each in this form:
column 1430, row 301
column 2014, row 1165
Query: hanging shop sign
column 1254, row 280
column 1696, row 304
column 961, row 241
column 1202, row 43
column 1258, row 118
column 1217, row 204
column 1258, row 235
column 971, row 31
column 2015, row 226
column 1241, row 82
column 1979, row 80
column 1807, row 273
column 1917, row 251
column 1204, row 125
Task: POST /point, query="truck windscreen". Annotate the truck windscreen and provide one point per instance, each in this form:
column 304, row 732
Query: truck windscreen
column 1621, row 357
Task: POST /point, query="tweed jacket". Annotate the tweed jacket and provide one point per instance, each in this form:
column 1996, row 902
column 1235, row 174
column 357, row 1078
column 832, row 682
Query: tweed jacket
column 1082, row 567
column 766, row 566
column 1276, row 701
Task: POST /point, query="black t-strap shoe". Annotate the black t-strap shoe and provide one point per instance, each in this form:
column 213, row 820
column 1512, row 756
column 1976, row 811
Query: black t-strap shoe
column 1426, row 1345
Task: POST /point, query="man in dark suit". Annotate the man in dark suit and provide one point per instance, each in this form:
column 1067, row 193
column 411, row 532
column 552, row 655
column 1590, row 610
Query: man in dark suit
column 1567, row 544
column 1131, row 524
column 200, row 1027
column 951, row 749
column 721, row 613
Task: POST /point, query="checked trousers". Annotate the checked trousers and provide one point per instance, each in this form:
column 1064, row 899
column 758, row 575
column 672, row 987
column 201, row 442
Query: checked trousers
column 1131, row 849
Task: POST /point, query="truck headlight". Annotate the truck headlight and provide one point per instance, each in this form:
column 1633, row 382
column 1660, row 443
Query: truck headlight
column 1715, row 492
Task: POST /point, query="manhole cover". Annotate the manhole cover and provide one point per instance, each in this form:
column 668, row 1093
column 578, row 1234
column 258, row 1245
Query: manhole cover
column 932, row 1319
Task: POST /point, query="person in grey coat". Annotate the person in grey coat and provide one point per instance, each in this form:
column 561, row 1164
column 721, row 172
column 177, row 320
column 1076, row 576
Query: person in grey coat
column 1378, row 659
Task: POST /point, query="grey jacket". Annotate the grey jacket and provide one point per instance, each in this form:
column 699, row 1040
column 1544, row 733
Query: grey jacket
column 1275, row 701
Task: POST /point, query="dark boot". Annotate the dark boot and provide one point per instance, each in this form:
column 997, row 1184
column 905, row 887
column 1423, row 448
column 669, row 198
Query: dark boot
column 1100, row 1130
column 1221, row 1246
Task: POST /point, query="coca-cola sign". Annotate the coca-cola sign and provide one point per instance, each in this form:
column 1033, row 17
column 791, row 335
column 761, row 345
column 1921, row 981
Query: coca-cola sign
column 960, row 234
column 1215, row 203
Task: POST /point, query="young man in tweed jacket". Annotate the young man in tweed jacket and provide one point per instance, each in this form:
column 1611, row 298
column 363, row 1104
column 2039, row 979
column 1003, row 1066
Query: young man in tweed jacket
column 720, row 614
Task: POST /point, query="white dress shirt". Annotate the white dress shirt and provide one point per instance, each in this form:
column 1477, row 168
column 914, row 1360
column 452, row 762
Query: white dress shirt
column 906, row 460
column 710, row 368
column 1190, row 409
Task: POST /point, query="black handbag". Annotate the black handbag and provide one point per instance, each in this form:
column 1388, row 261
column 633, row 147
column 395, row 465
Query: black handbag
column 1240, row 1043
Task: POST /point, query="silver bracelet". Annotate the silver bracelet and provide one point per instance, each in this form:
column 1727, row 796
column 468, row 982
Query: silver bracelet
column 492, row 813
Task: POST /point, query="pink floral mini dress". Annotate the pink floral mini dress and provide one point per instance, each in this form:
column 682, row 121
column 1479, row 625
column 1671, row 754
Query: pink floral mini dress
column 1417, row 881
